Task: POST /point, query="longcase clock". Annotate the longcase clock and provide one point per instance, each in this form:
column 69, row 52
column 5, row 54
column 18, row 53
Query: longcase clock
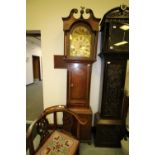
column 80, row 46
column 114, row 55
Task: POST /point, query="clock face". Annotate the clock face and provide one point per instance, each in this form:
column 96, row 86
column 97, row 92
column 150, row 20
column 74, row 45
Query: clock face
column 80, row 42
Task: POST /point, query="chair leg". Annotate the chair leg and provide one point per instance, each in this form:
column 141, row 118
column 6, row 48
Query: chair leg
column 77, row 151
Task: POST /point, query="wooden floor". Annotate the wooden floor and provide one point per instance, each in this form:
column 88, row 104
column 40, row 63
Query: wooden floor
column 34, row 100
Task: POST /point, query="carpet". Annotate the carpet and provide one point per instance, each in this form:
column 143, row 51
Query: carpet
column 34, row 100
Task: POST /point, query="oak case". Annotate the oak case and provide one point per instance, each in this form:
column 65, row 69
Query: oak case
column 80, row 46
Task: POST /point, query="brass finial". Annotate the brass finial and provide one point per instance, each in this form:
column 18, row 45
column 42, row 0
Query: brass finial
column 82, row 7
column 82, row 11
column 123, row 6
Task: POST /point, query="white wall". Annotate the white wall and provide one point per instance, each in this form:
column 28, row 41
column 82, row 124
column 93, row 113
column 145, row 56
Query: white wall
column 46, row 15
column 127, row 79
column 33, row 48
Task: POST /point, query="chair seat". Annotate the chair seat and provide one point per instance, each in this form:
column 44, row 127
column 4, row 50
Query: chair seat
column 59, row 144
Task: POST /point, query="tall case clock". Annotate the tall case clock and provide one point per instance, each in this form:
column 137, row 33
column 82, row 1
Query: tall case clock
column 114, row 56
column 80, row 48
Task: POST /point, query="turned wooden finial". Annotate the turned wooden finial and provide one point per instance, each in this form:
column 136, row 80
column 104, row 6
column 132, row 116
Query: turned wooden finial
column 82, row 11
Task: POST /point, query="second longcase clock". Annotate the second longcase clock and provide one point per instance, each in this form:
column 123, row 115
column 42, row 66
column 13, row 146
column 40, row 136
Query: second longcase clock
column 114, row 56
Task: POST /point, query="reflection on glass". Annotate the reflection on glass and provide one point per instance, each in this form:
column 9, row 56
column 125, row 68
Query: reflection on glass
column 124, row 27
column 119, row 37
column 120, row 43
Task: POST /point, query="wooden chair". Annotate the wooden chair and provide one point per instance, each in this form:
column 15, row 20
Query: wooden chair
column 55, row 136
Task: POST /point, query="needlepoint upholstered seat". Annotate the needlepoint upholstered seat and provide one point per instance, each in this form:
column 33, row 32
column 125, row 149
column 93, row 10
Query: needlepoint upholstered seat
column 57, row 137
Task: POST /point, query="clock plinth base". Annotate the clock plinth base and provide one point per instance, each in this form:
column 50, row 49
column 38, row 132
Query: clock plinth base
column 85, row 130
column 108, row 132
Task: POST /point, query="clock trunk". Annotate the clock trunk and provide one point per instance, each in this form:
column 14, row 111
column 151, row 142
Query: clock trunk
column 78, row 84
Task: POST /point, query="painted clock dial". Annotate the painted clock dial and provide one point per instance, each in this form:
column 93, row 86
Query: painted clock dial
column 80, row 42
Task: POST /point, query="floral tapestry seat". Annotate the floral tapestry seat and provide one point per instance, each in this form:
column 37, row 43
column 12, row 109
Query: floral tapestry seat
column 59, row 144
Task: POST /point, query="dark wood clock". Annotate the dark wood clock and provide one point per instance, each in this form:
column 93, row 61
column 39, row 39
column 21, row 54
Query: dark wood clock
column 114, row 55
column 80, row 47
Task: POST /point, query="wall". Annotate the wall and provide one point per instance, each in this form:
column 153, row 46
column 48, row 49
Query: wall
column 127, row 79
column 46, row 15
column 33, row 47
